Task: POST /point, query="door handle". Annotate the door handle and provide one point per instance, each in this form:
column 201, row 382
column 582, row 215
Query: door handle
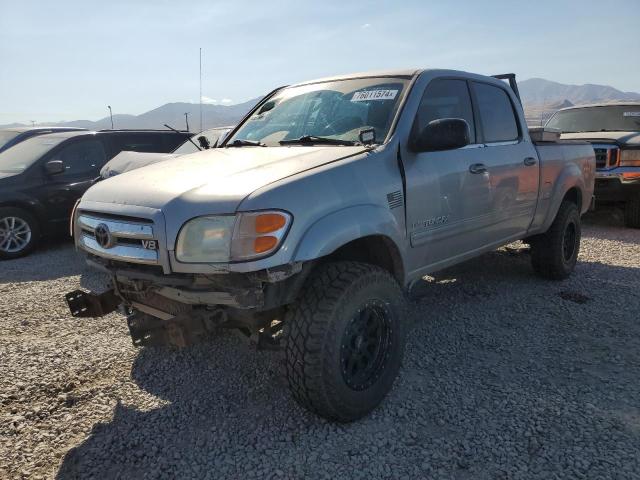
column 530, row 161
column 478, row 168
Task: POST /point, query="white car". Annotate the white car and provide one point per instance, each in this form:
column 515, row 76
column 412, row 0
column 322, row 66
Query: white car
column 129, row 160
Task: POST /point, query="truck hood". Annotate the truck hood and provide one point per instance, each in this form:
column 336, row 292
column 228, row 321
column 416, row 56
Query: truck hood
column 631, row 139
column 212, row 181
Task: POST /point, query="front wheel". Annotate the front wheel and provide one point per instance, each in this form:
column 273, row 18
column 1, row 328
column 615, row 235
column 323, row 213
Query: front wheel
column 632, row 212
column 554, row 254
column 344, row 340
column 18, row 233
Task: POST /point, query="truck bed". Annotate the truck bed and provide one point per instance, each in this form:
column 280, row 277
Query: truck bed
column 558, row 159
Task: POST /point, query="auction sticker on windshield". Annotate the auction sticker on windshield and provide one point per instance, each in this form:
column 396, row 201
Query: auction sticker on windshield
column 631, row 114
column 367, row 95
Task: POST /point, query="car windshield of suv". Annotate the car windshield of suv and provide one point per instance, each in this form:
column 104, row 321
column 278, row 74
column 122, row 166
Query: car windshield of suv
column 7, row 136
column 334, row 111
column 22, row 155
column 213, row 135
column 624, row 118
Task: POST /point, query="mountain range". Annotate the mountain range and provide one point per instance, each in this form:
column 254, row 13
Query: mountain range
column 540, row 97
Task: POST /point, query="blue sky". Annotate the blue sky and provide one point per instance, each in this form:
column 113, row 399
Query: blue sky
column 69, row 59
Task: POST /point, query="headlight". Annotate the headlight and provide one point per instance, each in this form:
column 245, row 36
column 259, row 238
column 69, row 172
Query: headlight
column 630, row 158
column 224, row 238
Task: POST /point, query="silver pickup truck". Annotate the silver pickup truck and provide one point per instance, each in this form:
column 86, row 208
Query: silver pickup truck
column 323, row 206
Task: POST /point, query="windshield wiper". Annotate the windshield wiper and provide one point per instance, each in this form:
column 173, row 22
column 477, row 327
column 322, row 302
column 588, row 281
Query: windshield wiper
column 310, row 139
column 245, row 143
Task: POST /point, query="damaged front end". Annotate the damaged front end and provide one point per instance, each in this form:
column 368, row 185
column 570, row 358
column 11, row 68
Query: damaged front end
column 180, row 309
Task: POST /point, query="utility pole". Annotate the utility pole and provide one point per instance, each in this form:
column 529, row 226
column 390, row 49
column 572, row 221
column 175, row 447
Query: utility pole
column 200, row 88
column 33, row 123
column 186, row 119
column 110, row 115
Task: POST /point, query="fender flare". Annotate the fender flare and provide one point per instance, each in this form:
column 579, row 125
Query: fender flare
column 338, row 228
column 570, row 177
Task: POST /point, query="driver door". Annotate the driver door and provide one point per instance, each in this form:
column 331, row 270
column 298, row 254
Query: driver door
column 446, row 203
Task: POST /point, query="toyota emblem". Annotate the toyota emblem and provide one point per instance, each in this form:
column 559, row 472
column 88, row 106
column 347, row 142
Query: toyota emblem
column 103, row 236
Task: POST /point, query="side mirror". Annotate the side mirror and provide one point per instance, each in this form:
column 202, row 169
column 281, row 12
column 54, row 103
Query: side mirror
column 443, row 134
column 54, row 167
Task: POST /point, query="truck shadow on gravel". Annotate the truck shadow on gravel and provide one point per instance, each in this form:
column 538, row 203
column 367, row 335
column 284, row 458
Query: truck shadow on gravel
column 505, row 376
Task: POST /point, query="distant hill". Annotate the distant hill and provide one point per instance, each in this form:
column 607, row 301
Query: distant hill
column 542, row 98
column 171, row 114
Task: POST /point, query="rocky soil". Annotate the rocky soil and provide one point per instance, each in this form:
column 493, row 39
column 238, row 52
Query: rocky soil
column 506, row 376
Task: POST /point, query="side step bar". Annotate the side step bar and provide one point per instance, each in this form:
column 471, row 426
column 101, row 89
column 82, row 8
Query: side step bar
column 88, row 304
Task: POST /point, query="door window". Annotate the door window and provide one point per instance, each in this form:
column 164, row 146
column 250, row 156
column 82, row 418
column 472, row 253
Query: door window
column 496, row 113
column 445, row 98
column 82, row 157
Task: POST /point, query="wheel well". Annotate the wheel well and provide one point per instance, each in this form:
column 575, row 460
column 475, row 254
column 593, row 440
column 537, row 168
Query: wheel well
column 374, row 249
column 574, row 195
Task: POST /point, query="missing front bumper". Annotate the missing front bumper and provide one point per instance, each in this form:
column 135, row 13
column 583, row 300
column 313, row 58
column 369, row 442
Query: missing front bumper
column 88, row 304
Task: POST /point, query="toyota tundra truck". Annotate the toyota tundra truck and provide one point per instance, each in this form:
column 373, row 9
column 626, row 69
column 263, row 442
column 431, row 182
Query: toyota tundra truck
column 614, row 131
column 320, row 210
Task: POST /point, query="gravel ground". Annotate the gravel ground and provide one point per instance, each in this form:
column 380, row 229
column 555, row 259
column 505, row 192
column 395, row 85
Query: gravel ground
column 505, row 376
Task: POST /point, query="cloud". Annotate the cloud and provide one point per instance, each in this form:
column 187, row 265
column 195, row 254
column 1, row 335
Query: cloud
column 366, row 25
column 215, row 101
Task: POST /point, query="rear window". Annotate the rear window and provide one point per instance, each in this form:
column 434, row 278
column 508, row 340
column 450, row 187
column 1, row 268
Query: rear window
column 146, row 142
column 496, row 113
column 82, row 157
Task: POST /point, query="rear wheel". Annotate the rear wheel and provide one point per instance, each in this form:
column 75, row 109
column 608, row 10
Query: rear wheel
column 632, row 212
column 18, row 232
column 554, row 254
column 344, row 340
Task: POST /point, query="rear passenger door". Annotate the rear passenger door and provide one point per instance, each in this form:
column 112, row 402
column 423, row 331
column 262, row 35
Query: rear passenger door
column 446, row 205
column 510, row 161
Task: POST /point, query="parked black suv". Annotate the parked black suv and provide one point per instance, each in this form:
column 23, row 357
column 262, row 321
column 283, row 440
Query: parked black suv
column 11, row 136
column 42, row 177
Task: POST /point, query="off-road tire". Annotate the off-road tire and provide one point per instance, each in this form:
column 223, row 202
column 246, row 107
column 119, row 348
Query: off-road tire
column 318, row 325
column 549, row 255
column 23, row 215
column 632, row 212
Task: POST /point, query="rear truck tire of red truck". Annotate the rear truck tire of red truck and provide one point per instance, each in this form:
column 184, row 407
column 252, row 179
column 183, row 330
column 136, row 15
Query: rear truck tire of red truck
column 632, row 212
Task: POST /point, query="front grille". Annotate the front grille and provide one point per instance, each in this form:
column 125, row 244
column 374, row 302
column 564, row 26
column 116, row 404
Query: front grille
column 120, row 238
column 606, row 156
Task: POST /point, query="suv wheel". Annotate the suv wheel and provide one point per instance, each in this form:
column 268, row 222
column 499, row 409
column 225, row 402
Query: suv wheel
column 554, row 254
column 632, row 212
column 18, row 233
column 344, row 340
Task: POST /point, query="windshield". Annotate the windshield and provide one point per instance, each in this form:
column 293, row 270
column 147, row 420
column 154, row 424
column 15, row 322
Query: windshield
column 597, row 119
column 213, row 135
column 7, row 136
column 338, row 110
column 22, row 155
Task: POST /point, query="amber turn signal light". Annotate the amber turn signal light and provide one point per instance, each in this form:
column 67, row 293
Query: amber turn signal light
column 270, row 222
column 264, row 244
